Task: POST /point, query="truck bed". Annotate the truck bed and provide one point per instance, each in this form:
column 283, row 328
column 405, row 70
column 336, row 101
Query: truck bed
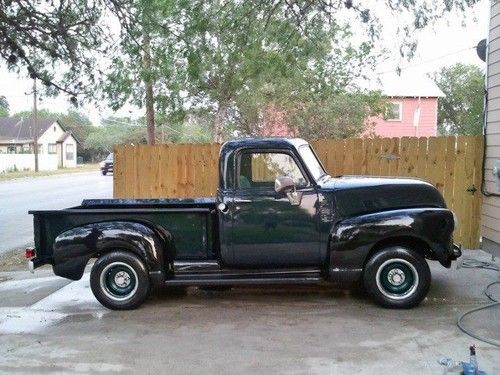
column 190, row 221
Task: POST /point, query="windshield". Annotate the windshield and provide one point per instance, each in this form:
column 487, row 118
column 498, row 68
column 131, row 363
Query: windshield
column 110, row 157
column 311, row 161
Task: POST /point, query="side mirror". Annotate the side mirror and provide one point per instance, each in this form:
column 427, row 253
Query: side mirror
column 283, row 184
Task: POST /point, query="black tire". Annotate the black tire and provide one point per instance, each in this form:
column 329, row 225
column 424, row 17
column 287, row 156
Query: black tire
column 397, row 277
column 104, row 173
column 120, row 280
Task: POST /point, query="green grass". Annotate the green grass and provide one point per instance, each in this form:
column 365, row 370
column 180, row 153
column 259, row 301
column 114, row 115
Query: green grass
column 6, row 176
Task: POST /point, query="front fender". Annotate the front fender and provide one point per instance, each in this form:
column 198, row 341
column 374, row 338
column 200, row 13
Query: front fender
column 73, row 248
column 352, row 239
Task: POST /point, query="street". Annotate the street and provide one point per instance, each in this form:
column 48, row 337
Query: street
column 49, row 324
column 47, row 193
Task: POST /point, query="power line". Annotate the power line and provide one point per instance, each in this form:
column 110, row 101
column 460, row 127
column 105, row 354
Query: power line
column 428, row 61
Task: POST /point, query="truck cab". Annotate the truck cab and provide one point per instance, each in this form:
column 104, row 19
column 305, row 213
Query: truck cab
column 269, row 199
column 277, row 218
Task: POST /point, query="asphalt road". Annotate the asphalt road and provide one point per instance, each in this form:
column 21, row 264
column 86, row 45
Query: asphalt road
column 51, row 325
column 46, row 193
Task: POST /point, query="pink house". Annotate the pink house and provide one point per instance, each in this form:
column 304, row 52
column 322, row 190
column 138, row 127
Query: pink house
column 412, row 110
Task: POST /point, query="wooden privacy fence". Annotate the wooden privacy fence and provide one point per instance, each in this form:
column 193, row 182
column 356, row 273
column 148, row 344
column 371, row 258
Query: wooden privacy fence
column 452, row 164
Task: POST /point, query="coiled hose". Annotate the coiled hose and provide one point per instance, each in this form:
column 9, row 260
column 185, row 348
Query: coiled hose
column 472, row 263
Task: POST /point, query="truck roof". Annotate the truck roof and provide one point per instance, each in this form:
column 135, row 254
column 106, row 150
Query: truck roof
column 264, row 142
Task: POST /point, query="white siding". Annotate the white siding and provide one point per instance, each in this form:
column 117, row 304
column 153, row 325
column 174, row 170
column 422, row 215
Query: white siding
column 491, row 205
column 22, row 162
column 50, row 136
column 69, row 163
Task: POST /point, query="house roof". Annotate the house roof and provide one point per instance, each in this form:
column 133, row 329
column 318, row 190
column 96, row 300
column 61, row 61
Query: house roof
column 65, row 136
column 14, row 129
column 408, row 85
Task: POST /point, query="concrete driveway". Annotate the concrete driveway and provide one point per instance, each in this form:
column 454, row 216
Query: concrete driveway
column 48, row 324
column 46, row 193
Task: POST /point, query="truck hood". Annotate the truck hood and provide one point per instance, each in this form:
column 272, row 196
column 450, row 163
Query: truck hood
column 360, row 194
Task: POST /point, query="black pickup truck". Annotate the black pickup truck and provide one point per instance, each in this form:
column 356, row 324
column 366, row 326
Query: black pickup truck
column 278, row 218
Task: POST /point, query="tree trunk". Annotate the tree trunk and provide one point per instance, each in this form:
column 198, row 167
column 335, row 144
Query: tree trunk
column 220, row 117
column 148, row 83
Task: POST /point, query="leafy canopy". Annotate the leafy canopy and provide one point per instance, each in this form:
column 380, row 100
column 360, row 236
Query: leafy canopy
column 115, row 130
column 230, row 60
column 460, row 112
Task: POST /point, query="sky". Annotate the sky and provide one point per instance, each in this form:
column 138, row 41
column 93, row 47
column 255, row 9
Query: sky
column 449, row 42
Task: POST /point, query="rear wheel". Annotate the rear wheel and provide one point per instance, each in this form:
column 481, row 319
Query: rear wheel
column 397, row 277
column 120, row 281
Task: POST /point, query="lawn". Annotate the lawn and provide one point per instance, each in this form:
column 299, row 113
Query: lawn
column 22, row 174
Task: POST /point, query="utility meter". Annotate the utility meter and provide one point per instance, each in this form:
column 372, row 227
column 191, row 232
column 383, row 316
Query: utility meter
column 496, row 172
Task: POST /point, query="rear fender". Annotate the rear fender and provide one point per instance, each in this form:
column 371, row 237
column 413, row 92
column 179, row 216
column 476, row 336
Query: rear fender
column 352, row 239
column 74, row 248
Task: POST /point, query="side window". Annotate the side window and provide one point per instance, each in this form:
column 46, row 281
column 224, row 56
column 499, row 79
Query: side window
column 394, row 111
column 260, row 169
column 69, row 151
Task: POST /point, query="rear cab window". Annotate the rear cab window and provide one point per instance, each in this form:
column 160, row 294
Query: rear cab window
column 260, row 170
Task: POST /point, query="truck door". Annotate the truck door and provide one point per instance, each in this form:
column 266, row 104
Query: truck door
column 272, row 229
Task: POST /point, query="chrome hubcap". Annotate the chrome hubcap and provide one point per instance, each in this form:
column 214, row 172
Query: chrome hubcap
column 119, row 281
column 122, row 279
column 396, row 276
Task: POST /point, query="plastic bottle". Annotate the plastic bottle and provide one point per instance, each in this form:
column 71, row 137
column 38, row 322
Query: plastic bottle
column 451, row 366
column 472, row 368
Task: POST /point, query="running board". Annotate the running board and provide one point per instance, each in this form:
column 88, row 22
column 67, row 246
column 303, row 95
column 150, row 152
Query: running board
column 212, row 269
column 209, row 272
column 197, row 281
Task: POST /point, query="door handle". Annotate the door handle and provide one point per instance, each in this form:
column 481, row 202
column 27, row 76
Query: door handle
column 239, row 200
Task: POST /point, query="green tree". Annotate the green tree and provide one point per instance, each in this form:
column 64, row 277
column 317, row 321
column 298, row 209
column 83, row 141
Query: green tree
column 143, row 65
column 56, row 42
column 152, row 59
column 113, row 131
column 183, row 56
column 460, row 112
column 4, row 107
column 338, row 116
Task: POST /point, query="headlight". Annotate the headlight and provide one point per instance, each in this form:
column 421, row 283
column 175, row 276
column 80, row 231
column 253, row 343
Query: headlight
column 455, row 219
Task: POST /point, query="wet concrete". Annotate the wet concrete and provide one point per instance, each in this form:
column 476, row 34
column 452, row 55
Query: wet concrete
column 44, row 193
column 292, row 330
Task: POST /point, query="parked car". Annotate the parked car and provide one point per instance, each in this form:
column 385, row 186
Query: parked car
column 277, row 218
column 107, row 165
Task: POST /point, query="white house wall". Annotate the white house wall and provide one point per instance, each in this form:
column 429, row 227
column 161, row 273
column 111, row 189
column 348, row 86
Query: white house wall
column 20, row 162
column 69, row 163
column 58, row 159
column 51, row 135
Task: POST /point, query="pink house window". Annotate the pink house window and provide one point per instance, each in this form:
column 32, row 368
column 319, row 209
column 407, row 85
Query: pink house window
column 394, row 111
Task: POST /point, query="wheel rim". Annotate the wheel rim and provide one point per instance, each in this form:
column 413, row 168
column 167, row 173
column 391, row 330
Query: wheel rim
column 397, row 278
column 119, row 281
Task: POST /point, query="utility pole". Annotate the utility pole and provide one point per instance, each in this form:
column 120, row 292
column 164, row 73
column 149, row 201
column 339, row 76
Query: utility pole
column 35, row 125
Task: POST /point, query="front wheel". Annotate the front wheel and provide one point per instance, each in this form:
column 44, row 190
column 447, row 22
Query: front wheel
column 397, row 277
column 119, row 280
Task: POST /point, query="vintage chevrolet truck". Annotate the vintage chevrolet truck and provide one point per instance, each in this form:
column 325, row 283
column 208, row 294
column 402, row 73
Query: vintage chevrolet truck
column 277, row 218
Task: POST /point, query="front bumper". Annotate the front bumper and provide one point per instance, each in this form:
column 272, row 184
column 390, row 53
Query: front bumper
column 450, row 253
column 456, row 251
